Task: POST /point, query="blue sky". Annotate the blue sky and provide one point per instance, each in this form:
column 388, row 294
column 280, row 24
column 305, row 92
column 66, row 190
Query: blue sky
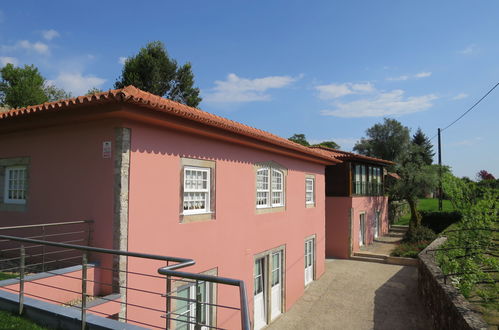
column 328, row 69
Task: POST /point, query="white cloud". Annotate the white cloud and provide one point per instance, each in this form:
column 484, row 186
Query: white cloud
column 50, row 34
column 7, row 59
column 383, row 104
column 122, row 60
column 333, row 91
column 423, row 74
column 460, row 96
column 38, row 47
column 468, row 142
column 237, row 90
column 77, row 83
column 468, row 50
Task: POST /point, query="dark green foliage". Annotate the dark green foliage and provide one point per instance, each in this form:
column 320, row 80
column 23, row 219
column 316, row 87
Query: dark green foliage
column 21, row 87
column 409, row 250
column 328, row 144
column 153, row 71
column 300, row 139
column 387, row 141
column 438, row 221
column 10, row 321
column 426, row 150
column 420, row 234
column 55, row 94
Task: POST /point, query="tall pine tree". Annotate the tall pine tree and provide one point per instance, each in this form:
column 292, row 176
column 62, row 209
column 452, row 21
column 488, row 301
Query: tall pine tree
column 426, row 151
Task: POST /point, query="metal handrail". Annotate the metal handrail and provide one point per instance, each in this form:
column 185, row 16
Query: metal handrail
column 47, row 224
column 169, row 270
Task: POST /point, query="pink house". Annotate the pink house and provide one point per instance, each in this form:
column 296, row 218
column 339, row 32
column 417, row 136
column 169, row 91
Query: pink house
column 356, row 207
column 159, row 177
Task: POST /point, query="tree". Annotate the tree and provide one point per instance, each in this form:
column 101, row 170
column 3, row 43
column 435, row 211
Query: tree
column 416, row 178
column 21, row 87
column 94, row 90
column 55, row 94
column 300, row 139
column 153, row 71
column 484, row 175
column 420, row 139
column 329, row 144
column 387, row 141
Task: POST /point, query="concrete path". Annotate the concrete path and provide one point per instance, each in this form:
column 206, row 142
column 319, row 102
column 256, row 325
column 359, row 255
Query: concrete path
column 358, row 295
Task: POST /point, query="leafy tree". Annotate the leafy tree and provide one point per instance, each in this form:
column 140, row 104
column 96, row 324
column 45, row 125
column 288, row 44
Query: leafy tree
column 387, row 140
column 300, row 139
column 152, row 70
column 484, row 175
column 21, row 87
column 329, row 144
column 420, row 139
column 416, row 178
column 94, row 90
column 54, row 94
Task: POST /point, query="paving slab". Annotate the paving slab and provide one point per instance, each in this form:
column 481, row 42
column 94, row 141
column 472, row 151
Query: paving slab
column 358, row 295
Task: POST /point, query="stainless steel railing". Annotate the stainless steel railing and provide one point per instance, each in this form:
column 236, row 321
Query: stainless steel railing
column 170, row 272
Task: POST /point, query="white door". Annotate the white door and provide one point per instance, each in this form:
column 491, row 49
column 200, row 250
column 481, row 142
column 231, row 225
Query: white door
column 309, row 261
column 186, row 306
column 275, row 291
column 362, row 228
column 259, row 316
column 376, row 224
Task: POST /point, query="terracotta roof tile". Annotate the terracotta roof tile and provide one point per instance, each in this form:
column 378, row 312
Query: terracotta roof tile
column 133, row 95
column 345, row 155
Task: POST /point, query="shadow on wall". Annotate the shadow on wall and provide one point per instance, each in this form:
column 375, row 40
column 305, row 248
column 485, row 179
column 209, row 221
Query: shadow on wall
column 397, row 304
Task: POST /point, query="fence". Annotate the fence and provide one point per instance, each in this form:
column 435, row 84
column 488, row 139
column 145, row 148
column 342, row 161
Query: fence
column 169, row 299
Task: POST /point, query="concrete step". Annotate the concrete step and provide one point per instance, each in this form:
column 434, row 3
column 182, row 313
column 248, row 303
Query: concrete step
column 370, row 255
column 367, row 259
column 399, row 228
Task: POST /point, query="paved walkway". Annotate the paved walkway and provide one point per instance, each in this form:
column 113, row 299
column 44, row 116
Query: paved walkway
column 385, row 244
column 358, row 295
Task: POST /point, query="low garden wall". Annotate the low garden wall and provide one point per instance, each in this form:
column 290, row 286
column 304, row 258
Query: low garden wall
column 447, row 307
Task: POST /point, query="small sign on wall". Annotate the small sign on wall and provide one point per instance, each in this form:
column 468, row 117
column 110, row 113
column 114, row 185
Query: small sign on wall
column 106, row 149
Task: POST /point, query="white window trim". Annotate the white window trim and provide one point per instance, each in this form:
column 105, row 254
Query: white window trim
column 272, row 190
column 312, row 201
column 268, row 190
column 8, row 200
column 206, row 190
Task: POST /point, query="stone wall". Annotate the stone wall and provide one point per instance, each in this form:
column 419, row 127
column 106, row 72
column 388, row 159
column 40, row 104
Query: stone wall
column 447, row 308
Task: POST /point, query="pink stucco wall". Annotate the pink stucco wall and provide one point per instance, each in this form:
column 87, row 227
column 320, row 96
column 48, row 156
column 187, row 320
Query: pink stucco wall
column 337, row 222
column 68, row 177
column 229, row 242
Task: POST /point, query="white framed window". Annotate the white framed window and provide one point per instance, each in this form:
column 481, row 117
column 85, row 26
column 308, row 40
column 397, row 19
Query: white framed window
column 309, row 190
column 196, row 190
column 15, row 185
column 277, row 188
column 269, row 187
column 262, row 187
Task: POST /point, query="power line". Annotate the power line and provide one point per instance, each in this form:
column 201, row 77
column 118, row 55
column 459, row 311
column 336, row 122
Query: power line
column 471, row 108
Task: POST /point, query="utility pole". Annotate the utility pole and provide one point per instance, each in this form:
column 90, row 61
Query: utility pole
column 439, row 172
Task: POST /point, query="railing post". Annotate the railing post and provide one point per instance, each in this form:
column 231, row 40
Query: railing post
column 43, row 249
column 21, row 278
column 198, row 307
column 245, row 322
column 84, row 291
column 168, row 300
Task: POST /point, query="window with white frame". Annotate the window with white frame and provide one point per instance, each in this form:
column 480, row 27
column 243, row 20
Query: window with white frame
column 309, row 190
column 269, row 187
column 15, row 185
column 196, row 190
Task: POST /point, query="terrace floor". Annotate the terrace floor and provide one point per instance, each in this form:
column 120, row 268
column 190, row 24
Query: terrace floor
column 358, row 295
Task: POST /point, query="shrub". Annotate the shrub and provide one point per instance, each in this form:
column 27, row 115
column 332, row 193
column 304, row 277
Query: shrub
column 438, row 221
column 409, row 250
column 420, row 234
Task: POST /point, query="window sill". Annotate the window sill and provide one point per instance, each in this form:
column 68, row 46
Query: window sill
column 263, row 210
column 196, row 217
column 13, row 207
column 309, row 205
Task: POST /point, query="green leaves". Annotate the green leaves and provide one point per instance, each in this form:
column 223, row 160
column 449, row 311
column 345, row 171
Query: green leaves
column 153, row 71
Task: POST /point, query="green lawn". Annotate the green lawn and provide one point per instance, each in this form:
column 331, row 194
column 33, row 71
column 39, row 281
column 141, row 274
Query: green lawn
column 427, row 204
column 6, row 276
column 10, row 321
